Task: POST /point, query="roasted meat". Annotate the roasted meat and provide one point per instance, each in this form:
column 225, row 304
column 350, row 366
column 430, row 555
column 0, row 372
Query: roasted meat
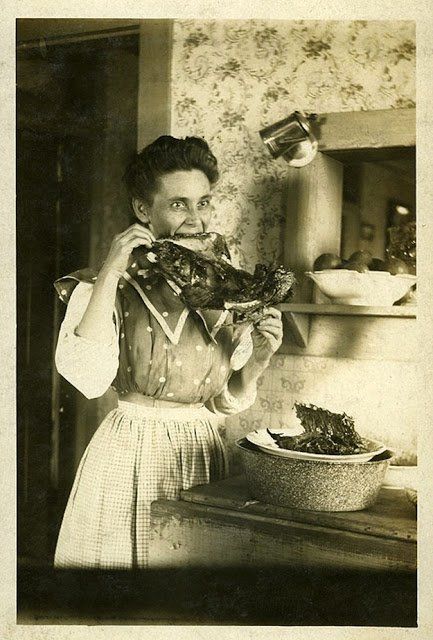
column 324, row 432
column 211, row 245
column 199, row 266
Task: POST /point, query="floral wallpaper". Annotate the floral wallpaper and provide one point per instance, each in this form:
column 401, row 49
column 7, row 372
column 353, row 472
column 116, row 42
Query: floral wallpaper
column 229, row 80
column 232, row 78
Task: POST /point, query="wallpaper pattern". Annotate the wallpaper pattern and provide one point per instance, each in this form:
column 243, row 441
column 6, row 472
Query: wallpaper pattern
column 229, row 80
column 232, row 78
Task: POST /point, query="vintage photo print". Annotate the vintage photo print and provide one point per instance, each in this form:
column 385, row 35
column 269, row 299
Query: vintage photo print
column 221, row 304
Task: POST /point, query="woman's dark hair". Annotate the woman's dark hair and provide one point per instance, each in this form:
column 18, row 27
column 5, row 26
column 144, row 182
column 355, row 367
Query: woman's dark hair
column 165, row 155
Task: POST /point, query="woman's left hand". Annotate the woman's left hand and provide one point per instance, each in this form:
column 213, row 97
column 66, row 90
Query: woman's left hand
column 267, row 335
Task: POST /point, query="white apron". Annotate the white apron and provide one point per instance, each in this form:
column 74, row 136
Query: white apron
column 138, row 454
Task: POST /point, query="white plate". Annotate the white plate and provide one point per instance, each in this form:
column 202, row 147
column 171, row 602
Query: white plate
column 261, row 439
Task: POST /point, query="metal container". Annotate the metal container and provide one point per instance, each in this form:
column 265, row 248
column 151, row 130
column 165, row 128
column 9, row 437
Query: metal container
column 291, row 138
column 310, row 484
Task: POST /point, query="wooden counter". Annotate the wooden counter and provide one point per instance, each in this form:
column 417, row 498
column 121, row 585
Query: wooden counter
column 219, row 558
column 218, row 525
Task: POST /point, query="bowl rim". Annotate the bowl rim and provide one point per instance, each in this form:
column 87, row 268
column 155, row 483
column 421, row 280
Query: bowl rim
column 405, row 466
column 406, row 276
column 258, row 451
column 376, row 448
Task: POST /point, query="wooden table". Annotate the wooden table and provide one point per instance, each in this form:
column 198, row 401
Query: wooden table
column 219, row 558
column 219, row 525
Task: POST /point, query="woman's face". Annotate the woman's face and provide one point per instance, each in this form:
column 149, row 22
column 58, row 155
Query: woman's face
column 182, row 204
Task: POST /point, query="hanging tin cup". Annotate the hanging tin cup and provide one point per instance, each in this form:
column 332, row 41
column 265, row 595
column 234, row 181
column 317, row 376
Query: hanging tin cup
column 291, row 138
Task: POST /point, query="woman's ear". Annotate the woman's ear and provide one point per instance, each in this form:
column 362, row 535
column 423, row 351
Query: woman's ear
column 140, row 210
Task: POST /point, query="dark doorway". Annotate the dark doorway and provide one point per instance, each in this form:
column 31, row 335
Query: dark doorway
column 66, row 134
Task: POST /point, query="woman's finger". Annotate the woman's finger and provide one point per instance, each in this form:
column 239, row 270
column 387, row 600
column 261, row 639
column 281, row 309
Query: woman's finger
column 128, row 230
column 140, row 241
column 272, row 338
column 137, row 230
column 270, row 324
column 274, row 331
column 272, row 341
column 136, row 237
column 271, row 312
column 142, row 232
column 271, row 321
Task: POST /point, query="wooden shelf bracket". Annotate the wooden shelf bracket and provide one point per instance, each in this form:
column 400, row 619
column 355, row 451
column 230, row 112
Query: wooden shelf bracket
column 299, row 326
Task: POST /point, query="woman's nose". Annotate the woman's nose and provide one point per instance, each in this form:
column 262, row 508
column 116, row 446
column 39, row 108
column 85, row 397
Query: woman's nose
column 193, row 214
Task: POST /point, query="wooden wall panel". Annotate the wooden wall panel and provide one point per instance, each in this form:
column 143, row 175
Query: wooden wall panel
column 154, row 86
column 358, row 337
column 374, row 130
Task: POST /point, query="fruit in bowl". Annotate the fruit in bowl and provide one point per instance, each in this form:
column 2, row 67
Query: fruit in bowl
column 373, row 288
column 396, row 266
column 358, row 261
column 327, row 261
column 362, row 279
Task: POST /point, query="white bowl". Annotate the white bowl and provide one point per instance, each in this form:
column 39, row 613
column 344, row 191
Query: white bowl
column 402, row 477
column 374, row 288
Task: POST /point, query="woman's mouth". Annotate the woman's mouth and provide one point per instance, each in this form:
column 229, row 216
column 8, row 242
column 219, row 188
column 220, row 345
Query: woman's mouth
column 189, row 228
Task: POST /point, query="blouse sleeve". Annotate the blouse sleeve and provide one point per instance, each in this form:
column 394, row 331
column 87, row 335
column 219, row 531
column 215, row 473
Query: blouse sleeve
column 225, row 403
column 88, row 365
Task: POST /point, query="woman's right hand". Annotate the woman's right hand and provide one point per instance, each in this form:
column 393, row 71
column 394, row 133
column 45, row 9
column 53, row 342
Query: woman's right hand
column 119, row 255
column 97, row 321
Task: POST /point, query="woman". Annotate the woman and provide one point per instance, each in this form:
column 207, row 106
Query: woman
column 175, row 370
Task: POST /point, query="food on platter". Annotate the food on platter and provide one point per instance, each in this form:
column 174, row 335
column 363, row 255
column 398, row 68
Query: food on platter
column 324, row 433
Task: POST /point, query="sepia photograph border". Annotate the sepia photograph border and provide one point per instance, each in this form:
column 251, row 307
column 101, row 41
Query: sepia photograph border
column 418, row 11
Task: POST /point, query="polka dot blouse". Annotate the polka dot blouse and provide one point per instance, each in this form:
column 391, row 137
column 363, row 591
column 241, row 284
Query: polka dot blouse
column 187, row 357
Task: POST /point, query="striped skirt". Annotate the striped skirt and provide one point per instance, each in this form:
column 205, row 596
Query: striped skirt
column 137, row 455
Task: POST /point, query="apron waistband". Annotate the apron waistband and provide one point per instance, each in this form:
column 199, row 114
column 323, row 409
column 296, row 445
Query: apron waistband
column 156, row 403
column 167, row 411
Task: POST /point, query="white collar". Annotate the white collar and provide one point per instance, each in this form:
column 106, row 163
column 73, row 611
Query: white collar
column 206, row 316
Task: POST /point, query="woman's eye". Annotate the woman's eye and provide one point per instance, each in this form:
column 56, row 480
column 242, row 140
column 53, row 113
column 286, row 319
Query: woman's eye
column 178, row 204
column 204, row 203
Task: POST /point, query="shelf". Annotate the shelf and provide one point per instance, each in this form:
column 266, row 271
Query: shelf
column 298, row 315
column 349, row 310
